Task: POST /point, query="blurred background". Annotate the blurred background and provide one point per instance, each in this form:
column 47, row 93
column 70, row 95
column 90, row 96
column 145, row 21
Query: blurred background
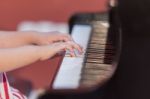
column 16, row 11
column 41, row 15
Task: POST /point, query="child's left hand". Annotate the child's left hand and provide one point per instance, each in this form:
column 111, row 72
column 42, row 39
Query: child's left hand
column 48, row 38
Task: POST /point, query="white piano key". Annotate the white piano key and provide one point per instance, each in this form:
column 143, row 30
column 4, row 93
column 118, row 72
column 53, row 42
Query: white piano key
column 71, row 62
column 81, row 34
column 69, row 74
column 76, row 52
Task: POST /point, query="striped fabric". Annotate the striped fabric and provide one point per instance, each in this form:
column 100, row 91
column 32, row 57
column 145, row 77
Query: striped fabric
column 7, row 92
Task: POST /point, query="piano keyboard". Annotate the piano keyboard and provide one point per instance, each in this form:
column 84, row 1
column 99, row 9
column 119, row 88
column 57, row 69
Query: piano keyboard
column 69, row 73
column 95, row 65
column 99, row 56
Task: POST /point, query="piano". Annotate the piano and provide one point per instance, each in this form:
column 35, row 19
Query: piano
column 102, row 44
column 100, row 35
column 96, row 64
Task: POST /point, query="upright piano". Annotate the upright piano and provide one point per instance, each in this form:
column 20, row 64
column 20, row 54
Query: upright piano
column 100, row 36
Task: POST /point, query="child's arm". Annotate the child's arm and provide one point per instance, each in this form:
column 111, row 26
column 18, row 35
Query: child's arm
column 12, row 58
column 14, row 39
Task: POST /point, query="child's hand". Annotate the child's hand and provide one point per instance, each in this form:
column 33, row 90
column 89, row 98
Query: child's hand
column 48, row 51
column 48, row 38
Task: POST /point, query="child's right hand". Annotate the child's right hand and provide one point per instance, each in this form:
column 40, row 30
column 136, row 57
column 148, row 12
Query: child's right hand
column 48, row 51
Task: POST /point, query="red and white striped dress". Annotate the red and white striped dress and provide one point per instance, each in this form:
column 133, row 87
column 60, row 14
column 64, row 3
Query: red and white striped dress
column 7, row 92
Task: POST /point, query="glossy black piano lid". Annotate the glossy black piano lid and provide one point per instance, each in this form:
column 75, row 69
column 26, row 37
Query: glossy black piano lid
column 82, row 18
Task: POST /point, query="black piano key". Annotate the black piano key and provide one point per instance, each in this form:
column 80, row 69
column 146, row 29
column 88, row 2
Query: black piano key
column 106, row 67
column 99, row 55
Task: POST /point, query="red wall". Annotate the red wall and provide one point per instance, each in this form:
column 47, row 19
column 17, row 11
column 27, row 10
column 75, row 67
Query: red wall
column 14, row 11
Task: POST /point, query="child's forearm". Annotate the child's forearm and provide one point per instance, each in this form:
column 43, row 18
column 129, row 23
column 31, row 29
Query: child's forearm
column 15, row 39
column 16, row 57
column 12, row 58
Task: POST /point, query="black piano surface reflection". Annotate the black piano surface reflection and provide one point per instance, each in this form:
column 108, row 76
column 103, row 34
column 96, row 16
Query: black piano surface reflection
column 101, row 56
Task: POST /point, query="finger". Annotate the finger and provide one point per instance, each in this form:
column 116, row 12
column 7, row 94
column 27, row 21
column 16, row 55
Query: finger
column 61, row 46
column 68, row 37
column 76, row 46
column 63, row 39
column 68, row 46
column 71, row 51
